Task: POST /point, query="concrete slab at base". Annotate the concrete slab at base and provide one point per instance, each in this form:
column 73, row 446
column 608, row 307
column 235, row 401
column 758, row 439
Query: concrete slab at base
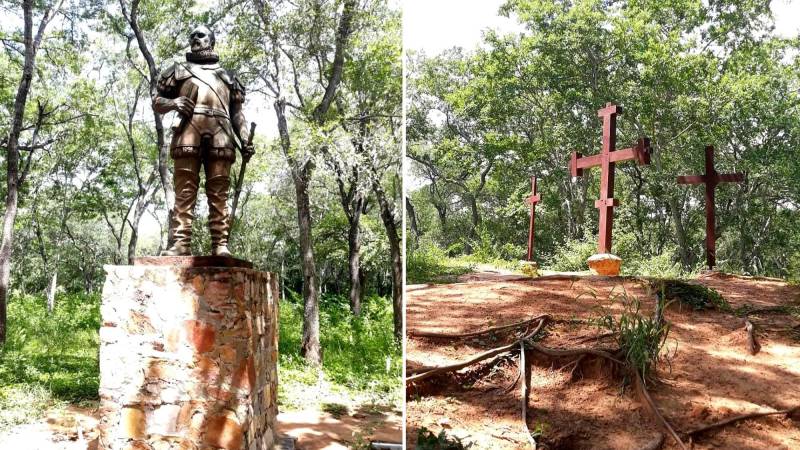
column 604, row 264
column 188, row 358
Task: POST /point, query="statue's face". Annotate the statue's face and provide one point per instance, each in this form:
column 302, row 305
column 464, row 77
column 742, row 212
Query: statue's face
column 200, row 39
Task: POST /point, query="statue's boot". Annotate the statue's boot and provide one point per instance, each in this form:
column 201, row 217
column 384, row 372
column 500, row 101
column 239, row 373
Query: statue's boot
column 221, row 250
column 218, row 182
column 187, row 181
column 177, row 250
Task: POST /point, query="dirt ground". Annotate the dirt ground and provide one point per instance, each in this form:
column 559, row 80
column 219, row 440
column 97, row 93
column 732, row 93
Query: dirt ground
column 710, row 375
column 76, row 429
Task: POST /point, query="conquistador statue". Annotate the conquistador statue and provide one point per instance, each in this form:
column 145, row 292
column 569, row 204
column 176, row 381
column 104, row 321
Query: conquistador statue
column 209, row 102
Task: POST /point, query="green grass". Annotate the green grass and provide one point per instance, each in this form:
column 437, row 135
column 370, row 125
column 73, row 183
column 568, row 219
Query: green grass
column 640, row 338
column 430, row 264
column 49, row 359
column 362, row 362
column 427, row 440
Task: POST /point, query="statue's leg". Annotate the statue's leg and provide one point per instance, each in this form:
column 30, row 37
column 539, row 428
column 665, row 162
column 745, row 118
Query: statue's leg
column 187, row 181
column 218, row 182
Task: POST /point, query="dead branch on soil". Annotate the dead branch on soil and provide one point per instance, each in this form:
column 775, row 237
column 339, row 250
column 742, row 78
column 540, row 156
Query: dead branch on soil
column 526, row 389
column 594, row 338
column 573, row 352
column 483, row 356
column 739, row 418
column 651, row 404
column 752, row 344
column 477, row 333
column 656, row 443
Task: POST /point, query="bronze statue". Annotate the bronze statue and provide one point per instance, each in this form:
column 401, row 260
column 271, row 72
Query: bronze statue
column 209, row 126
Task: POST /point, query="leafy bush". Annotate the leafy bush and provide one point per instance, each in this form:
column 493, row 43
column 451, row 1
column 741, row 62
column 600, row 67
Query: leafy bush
column 697, row 296
column 429, row 263
column 426, row 440
column 572, row 256
column 361, row 357
column 640, row 338
column 48, row 358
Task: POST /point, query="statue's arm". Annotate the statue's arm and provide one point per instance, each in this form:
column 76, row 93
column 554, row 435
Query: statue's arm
column 167, row 99
column 237, row 114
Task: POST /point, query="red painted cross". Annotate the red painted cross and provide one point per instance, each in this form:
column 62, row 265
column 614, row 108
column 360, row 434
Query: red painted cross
column 711, row 179
column 606, row 160
column 533, row 200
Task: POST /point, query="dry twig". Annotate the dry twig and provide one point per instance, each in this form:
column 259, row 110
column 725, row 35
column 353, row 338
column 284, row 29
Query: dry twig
column 752, row 344
column 651, row 404
column 485, row 355
column 741, row 417
column 476, row 333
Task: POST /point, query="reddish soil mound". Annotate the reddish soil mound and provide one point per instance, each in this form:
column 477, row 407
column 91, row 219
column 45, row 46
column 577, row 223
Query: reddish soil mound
column 710, row 375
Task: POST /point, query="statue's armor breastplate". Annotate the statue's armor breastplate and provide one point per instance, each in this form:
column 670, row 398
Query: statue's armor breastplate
column 211, row 115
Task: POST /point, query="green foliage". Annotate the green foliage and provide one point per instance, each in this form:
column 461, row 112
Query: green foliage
column 697, row 296
column 481, row 121
column 572, row 256
column 361, row 358
column 49, row 358
column 427, row 440
column 430, row 264
column 639, row 338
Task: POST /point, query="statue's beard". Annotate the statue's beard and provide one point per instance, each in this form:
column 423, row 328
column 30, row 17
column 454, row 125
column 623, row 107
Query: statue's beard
column 205, row 55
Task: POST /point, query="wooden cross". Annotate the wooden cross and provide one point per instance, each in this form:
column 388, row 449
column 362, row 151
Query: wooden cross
column 711, row 179
column 606, row 160
column 533, row 200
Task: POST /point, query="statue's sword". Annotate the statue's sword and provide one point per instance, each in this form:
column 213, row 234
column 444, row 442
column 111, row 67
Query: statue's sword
column 240, row 178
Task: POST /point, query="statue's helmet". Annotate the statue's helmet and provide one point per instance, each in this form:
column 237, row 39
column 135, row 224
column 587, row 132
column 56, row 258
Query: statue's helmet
column 201, row 38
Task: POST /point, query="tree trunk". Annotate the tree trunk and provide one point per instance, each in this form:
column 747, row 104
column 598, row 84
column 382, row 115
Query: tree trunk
column 387, row 216
column 475, row 219
column 12, row 158
column 51, row 292
column 163, row 147
column 310, row 346
column 301, row 176
column 354, row 262
column 412, row 217
column 680, row 233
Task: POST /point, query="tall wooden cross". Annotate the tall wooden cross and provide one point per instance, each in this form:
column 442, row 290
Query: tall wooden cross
column 533, row 200
column 711, row 179
column 606, row 159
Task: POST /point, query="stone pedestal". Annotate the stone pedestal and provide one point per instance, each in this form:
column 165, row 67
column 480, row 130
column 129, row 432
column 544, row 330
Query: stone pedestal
column 188, row 355
column 604, row 264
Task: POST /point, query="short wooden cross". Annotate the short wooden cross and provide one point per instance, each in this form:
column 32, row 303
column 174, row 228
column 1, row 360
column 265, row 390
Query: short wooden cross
column 533, row 199
column 711, row 179
column 606, row 159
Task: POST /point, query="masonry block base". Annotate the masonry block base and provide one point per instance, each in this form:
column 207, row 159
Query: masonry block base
column 188, row 357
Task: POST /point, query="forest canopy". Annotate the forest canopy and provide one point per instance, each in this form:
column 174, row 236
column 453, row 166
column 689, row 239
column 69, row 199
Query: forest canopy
column 86, row 170
column 687, row 73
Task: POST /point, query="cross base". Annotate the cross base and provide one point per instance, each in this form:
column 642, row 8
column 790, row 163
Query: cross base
column 604, row 264
column 529, row 268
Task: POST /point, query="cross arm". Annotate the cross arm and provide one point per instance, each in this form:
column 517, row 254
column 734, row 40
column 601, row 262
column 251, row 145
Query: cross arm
column 731, row 177
column 691, row 179
column 640, row 152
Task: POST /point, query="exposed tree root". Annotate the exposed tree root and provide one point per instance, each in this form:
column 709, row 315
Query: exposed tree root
column 594, row 338
column 656, row 443
column 752, row 344
column 483, row 356
column 652, row 406
column 523, row 370
column 573, row 352
column 739, row 418
column 499, row 329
